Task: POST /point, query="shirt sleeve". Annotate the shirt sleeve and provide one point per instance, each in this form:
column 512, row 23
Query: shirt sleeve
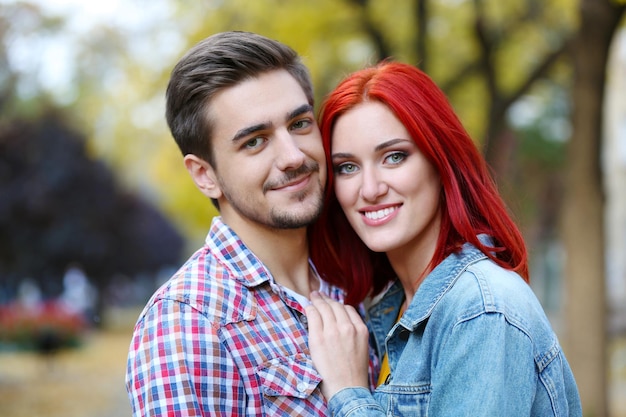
column 178, row 366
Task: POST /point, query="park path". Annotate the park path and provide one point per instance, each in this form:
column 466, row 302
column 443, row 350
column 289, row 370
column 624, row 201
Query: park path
column 83, row 382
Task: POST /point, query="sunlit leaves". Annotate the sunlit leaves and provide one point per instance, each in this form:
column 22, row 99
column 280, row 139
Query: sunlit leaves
column 120, row 66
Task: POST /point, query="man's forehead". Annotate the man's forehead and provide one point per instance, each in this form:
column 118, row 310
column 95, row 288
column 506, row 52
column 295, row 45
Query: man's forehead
column 271, row 98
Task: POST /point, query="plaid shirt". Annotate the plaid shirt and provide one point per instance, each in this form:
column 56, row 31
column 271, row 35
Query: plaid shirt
column 222, row 338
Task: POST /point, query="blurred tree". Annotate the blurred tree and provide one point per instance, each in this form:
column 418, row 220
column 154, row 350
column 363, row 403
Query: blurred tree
column 20, row 91
column 583, row 208
column 60, row 207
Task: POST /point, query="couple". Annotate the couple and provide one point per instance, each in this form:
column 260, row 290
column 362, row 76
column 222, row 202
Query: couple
column 260, row 320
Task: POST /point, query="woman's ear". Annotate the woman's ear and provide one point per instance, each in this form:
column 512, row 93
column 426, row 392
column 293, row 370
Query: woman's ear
column 203, row 175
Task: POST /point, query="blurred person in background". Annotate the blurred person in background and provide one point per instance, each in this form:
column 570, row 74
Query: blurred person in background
column 226, row 335
column 414, row 220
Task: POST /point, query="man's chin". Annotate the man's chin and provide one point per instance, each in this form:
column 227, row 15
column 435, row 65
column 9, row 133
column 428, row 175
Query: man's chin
column 294, row 220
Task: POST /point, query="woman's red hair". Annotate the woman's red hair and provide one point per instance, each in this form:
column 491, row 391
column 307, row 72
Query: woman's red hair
column 470, row 202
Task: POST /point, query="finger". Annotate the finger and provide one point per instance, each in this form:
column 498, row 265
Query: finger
column 335, row 319
column 314, row 319
column 340, row 311
column 355, row 317
column 323, row 306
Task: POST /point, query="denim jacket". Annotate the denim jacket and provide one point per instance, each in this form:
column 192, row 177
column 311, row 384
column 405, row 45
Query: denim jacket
column 474, row 342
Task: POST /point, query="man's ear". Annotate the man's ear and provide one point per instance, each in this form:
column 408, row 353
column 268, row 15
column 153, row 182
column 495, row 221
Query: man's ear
column 203, row 175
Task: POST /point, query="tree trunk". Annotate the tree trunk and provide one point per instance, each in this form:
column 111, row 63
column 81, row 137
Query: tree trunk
column 421, row 19
column 585, row 338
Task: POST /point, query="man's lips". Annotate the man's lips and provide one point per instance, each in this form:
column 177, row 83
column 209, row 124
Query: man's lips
column 293, row 180
column 293, row 185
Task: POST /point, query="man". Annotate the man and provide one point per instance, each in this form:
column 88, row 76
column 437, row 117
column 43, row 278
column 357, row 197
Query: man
column 226, row 335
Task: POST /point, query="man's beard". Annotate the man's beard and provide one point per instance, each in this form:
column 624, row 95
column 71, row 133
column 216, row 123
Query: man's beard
column 277, row 218
column 286, row 220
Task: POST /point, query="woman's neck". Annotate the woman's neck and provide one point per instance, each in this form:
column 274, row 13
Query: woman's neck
column 411, row 263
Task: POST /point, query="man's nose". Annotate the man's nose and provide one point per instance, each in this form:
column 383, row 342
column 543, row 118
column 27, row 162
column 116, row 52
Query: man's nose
column 288, row 152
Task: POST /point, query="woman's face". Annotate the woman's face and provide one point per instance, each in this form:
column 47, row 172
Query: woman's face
column 388, row 190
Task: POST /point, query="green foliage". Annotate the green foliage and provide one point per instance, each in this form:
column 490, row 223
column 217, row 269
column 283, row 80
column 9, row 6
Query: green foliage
column 59, row 206
column 121, row 73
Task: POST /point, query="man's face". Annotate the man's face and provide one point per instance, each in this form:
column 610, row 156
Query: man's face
column 269, row 159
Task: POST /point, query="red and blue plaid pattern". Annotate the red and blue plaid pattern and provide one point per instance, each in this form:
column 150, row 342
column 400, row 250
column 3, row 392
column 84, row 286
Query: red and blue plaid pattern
column 222, row 338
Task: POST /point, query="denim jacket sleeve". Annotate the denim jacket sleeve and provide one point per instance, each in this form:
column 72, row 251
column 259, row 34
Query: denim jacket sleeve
column 484, row 367
column 354, row 402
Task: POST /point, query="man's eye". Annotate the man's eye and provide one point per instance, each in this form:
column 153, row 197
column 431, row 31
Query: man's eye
column 301, row 124
column 254, row 143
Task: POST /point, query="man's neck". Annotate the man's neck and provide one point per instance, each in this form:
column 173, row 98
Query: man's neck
column 284, row 252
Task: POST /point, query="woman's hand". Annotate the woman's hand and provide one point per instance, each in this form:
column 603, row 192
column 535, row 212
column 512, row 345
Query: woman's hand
column 338, row 340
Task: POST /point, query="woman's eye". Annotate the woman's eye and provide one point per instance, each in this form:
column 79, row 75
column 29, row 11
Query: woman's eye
column 346, row 168
column 396, row 157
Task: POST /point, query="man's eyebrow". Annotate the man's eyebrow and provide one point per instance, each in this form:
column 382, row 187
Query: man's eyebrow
column 246, row 131
column 242, row 133
column 305, row 108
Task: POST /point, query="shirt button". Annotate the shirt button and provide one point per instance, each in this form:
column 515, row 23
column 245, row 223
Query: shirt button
column 301, row 386
column 304, row 320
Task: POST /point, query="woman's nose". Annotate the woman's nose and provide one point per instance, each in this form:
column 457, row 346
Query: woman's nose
column 373, row 186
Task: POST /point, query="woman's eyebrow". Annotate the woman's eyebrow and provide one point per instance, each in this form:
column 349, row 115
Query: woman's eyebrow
column 341, row 155
column 389, row 143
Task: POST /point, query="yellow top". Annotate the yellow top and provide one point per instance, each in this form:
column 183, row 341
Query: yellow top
column 385, row 371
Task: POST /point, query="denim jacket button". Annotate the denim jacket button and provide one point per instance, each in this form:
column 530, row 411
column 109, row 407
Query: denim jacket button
column 403, row 335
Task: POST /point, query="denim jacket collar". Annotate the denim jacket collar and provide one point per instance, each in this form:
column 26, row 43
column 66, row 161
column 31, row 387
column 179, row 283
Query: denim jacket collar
column 437, row 283
column 432, row 289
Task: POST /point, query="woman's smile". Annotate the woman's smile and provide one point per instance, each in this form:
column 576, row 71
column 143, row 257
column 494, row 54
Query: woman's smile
column 380, row 216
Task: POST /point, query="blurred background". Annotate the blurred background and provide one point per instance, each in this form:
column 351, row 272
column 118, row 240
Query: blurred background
column 97, row 210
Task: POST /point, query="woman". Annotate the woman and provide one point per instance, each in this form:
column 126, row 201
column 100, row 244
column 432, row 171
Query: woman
column 414, row 220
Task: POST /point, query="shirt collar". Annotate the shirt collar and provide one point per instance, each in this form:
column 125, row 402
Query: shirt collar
column 230, row 250
column 434, row 287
